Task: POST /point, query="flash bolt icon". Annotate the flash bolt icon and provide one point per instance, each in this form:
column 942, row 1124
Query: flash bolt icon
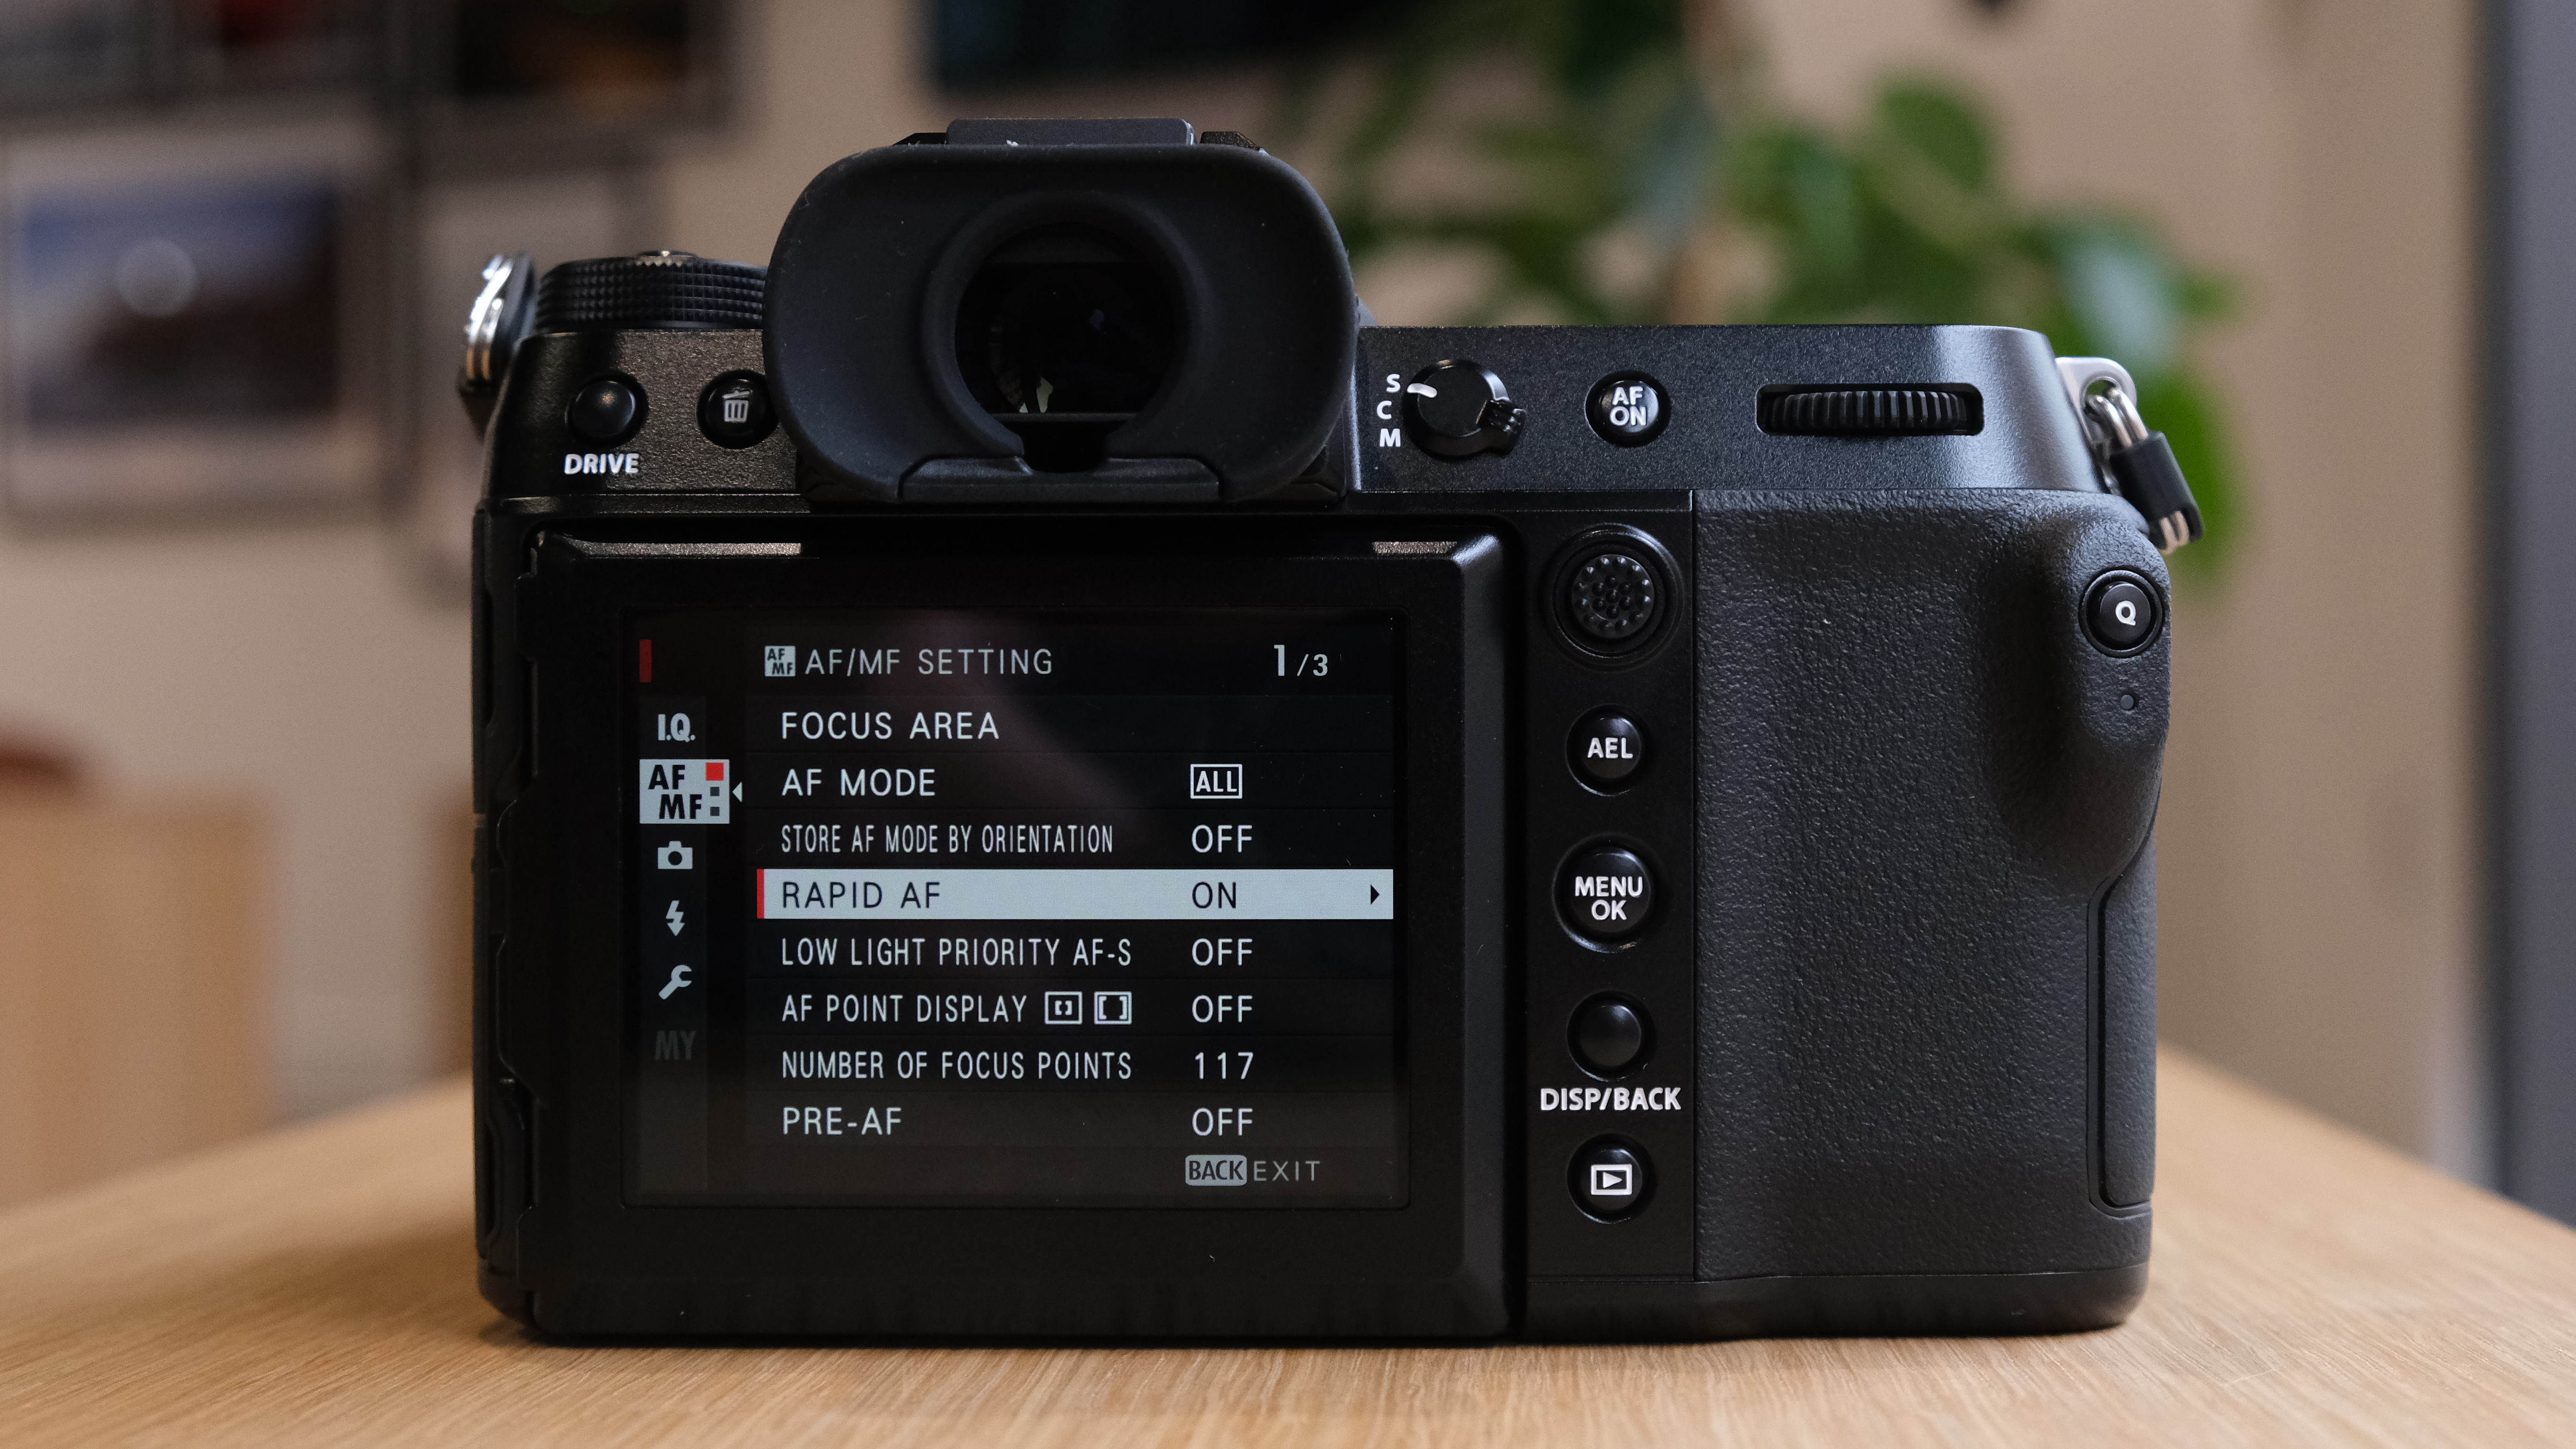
column 679, row 978
column 674, row 917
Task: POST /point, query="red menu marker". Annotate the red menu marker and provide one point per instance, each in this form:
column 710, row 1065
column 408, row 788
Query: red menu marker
column 644, row 662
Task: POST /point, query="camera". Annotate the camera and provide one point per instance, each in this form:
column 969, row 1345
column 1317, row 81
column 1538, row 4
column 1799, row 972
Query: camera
column 1037, row 775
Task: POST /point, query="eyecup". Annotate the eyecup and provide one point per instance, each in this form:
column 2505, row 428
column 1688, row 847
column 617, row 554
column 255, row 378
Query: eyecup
column 878, row 255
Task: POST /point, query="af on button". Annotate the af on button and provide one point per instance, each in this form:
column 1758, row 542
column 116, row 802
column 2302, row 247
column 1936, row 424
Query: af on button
column 1629, row 409
column 1606, row 894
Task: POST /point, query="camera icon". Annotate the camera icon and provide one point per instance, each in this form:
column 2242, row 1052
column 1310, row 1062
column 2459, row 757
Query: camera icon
column 675, row 856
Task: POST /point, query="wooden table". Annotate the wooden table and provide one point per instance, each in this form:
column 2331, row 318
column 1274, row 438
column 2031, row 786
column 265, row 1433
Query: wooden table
column 315, row 1286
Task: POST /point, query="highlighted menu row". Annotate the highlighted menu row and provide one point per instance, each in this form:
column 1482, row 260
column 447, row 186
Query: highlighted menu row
column 1077, row 895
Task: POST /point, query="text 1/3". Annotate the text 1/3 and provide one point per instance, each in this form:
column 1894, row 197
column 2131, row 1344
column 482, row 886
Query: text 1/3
column 1230, row 1066
column 1305, row 665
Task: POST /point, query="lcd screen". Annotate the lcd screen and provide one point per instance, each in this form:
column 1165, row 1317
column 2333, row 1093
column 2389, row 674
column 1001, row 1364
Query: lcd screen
column 1024, row 909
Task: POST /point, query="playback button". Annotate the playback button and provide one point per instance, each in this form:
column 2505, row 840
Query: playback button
column 1610, row 1178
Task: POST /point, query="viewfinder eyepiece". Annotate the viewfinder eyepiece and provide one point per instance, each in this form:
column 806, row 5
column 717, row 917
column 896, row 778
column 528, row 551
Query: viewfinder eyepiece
column 1060, row 311
column 1064, row 334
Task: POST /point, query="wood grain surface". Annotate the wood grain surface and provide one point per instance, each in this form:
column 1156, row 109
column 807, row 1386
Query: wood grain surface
column 315, row 1287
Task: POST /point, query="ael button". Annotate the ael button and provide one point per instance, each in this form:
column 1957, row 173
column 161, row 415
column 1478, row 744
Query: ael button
column 734, row 410
column 1606, row 748
column 1458, row 409
column 1610, row 1178
column 1608, row 1036
column 1606, row 894
column 606, row 411
column 1629, row 409
column 2120, row 612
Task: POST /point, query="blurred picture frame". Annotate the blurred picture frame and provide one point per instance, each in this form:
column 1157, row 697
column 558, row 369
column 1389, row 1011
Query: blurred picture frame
column 72, row 54
column 987, row 44
column 62, row 58
column 511, row 85
column 192, row 325
column 267, row 46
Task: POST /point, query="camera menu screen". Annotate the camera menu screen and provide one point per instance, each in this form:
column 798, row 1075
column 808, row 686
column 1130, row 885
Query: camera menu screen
column 1015, row 909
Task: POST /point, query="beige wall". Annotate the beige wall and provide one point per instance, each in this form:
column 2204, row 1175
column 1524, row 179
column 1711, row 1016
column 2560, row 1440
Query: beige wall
column 309, row 672
column 2317, row 872
column 2318, row 833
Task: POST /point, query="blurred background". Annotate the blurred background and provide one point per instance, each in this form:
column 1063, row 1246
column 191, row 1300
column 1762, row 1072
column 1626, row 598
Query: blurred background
column 238, row 238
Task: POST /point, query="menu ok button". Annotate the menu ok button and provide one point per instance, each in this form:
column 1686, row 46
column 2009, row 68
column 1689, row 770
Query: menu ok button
column 1605, row 894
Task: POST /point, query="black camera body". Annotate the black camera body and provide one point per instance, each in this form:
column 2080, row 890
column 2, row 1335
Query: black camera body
column 1036, row 777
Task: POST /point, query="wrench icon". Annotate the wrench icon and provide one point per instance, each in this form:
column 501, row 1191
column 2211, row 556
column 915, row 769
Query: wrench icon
column 679, row 978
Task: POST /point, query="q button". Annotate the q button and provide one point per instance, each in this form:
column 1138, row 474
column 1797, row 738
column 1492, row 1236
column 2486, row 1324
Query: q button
column 2121, row 613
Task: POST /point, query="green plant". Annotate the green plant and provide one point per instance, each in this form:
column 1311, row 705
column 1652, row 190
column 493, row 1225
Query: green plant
column 1647, row 137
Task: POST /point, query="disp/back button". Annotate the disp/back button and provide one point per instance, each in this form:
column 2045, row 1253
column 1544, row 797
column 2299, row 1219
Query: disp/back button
column 1608, row 1036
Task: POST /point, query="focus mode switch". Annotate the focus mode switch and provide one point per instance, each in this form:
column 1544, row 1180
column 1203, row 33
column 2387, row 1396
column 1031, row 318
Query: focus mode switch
column 1606, row 749
column 1459, row 409
column 1606, row 894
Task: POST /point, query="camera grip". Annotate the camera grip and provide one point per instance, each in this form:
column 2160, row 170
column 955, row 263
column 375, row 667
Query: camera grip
column 1920, row 781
